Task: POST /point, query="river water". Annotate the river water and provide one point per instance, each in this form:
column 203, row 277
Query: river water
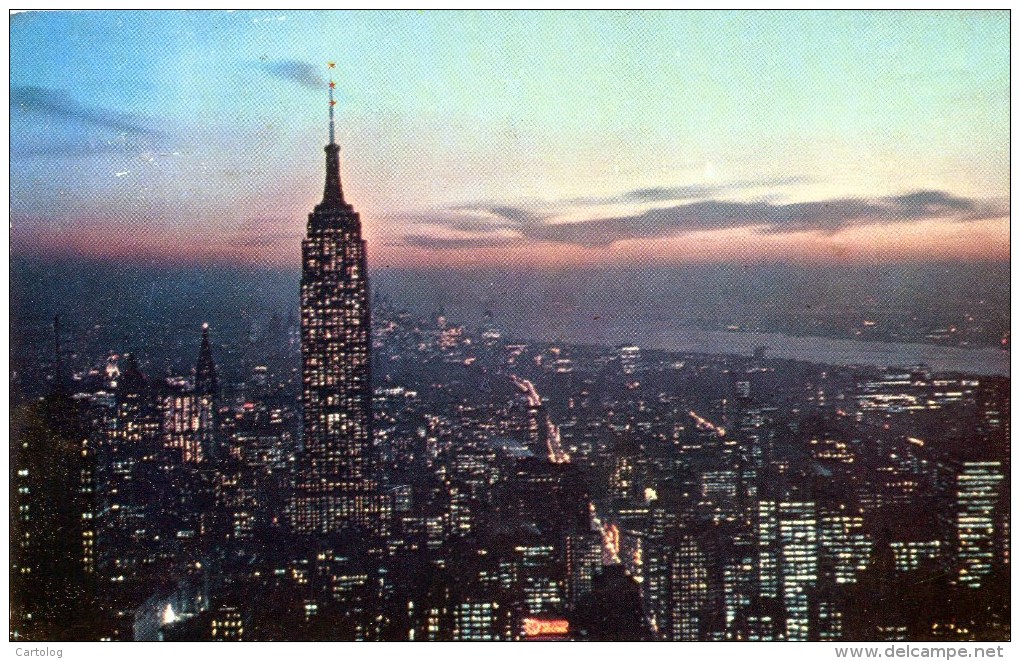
column 822, row 350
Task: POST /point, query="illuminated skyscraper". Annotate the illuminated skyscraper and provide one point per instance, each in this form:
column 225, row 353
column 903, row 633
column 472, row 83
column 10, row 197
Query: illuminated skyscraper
column 788, row 550
column 971, row 490
column 798, row 537
column 333, row 487
column 207, row 389
column 189, row 417
column 688, row 575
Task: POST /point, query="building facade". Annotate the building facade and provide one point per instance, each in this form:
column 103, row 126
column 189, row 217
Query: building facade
column 333, row 487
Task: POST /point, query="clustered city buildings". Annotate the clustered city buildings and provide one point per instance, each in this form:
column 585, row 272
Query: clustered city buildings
column 409, row 481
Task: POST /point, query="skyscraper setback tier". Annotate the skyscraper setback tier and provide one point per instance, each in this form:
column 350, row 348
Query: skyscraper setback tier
column 333, row 487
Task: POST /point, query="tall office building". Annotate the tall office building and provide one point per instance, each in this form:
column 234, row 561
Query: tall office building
column 333, row 488
column 207, row 389
column 52, row 519
column 688, row 574
column 798, row 559
column 788, row 550
column 971, row 491
column 189, row 415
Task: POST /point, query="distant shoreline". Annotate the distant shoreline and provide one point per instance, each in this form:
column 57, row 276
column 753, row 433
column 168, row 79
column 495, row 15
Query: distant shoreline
column 985, row 361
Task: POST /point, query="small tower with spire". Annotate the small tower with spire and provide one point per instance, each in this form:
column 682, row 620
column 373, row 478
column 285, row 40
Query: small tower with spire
column 206, row 380
column 207, row 390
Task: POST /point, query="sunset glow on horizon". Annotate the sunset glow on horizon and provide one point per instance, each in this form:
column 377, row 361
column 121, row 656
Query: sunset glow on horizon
column 529, row 139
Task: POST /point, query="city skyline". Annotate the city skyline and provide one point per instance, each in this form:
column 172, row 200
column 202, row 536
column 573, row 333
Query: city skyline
column 658, row 398
column 529, row 139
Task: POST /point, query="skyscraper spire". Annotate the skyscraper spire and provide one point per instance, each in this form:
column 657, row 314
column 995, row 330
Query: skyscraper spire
column 332, row 121
column 333, row 195
column 204, row 446
column 206, row 381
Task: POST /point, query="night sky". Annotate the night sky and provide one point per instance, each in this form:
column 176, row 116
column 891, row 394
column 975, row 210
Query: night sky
column 520, row 139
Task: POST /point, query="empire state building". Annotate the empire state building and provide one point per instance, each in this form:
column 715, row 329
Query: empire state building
column 333, row 488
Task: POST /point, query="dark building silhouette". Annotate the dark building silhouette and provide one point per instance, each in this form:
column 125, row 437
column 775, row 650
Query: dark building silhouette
column 52, row 523
column 612, row 611
column 52, row 517
column 334, row 488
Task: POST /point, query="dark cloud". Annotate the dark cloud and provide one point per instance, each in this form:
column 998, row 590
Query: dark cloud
column 59, row 104
column 825, row 217
column 926, row 202
column 295, row 71
column 516, row 215
column 668, row 193
column 492, row 217
column 479, row 225
column 454, row 243
column 689, row 192
column 478, row 218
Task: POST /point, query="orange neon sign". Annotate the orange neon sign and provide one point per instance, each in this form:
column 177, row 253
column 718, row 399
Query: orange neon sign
column 535, row 627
